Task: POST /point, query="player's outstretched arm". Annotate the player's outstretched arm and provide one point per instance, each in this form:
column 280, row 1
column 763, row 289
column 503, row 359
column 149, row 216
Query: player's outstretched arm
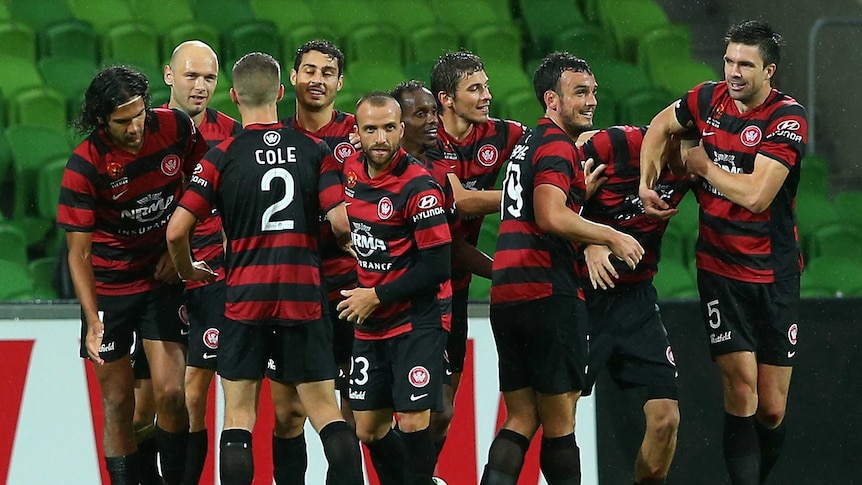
column 654, row 145
column 472, row 203
column 84, row 280
column 178, row 235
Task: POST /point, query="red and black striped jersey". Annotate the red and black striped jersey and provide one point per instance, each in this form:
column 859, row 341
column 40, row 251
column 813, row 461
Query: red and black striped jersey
column 476, row 160
column 530, row 264
column 126, row 199
column 393, row 216
column 616, row 202
column 339, row 268
column 269, row 183
column 207, row 240
column 735, row 242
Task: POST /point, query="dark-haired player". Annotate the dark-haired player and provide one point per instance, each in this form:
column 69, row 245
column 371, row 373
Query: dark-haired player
column 748, row 259
column 119, row 189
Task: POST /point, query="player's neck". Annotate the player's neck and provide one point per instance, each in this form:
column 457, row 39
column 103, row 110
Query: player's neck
column 262, row 115
column 455, row 126
column 198, row 118
column 756, row 100
column 313, row 121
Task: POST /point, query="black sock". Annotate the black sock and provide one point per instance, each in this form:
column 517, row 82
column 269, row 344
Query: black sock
column 172, row 454
column 237, row 462
column 560, row 459
column 148, row 462
column 387, row 456
column 771, row 441
column 196, row 456
column 123, row 470
column 419, row 457
column 341, row 448
column 741, row 450
column 289, row 460
column 506, row 455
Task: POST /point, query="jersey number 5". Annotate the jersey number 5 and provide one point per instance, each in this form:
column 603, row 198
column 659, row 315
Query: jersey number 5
column 266, row 221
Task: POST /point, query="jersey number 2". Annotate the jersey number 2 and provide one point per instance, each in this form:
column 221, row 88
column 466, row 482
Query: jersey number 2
column 266, row 221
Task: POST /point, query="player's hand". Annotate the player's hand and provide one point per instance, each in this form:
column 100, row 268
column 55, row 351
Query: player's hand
column 654, row 206
column 602, row 271
column 627, row 248
column 348, row 248
column 353, row 138
column 93, row 340
column 165, row 271
column 697, row 161
column 202, row 272
column 357, row 305
column 593, row 175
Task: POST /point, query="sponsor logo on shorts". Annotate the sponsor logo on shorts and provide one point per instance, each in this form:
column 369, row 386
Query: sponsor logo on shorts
column 358, row 395
column 419, row 376
column 414, row 397
column 171, row 165
column 209, row 356
column 791, row 333
column 722, row 337
column 669, row 354
column 790, row 355
column 270, row 364
column 211, row 338
column 108, row 347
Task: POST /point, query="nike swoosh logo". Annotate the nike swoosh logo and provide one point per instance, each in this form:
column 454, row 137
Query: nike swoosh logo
column 790, row 355
column 209, row 356
column 117, row 196
column 448, row 372
column 414, row 397
column 707, row 133
column 184, row 332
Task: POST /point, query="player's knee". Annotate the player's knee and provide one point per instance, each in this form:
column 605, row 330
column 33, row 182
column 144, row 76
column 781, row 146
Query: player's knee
column 172, row 399
column 117, row 403
column 770, row 417
column 289, row 428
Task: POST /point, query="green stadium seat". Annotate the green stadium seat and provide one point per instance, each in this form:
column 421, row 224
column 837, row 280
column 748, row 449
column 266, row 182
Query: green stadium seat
column 344, row 16
column 372, row 76
column 667, row 43
column 4, row 120
column 41, row 272
column 496, row 44
column 411, row 15
column 14, row 244
column 224, row 15
column 592, row 10
column 70, row 76
column 605, row 114
column 465, row 16
column 287, row 104
column 71, row 38
column 132, row 43
column 678, row 245
column 679, row 76
column 48, row 187
column 585, row 41
column 814, row 176
column 686, row 220
column 831, row 276
column 544, row 19
column 629, row 20
column 164, row 14
column 18, row 39
column 420, row 71
column 507, row 79
column 17, row 75
column 15, row 282
column 812, row 213
column 5, row 16
column 174, row 36
column 102, row 14
column 639, row 108
column 258, row 36
column 674, row 280
column 42, row 106
column 286, row 14
column 480, row 289
column 159, row 91
column 371, row 42
column 524, row 107
column 848, row 207
column 221, row 101
column 487, row 242
column 622, row 78
column 302, row 34
column 39, row 14
column 5, row 159
column 346, row 100
column 429, row 43
column 839, row 240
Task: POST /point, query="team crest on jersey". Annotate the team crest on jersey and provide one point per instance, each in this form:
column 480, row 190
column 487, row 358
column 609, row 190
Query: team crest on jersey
column 351, row 179
column 211, row 338
column 384, row 209
column 115, row 170
column 343, row 150
column 791, row 333
column 750, row 136
column 171, row 165
column 488, row 155
column 419, row 376
column 668, row 353
column 272, row 138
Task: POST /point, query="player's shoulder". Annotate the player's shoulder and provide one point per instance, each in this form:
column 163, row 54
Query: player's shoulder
column 784, row 105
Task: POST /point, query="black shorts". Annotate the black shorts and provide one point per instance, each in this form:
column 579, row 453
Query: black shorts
column 757, row 317
column 627, row 336
column 342, row 336
column 205, row 306
column 541, row 344
column 299, row 353
column 158, row 314
column 403, row 372
column 456, row 346
column 140, row 364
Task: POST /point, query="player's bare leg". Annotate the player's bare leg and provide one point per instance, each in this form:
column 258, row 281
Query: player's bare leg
column 741, row 444
column 241, row 398
column 289, row 455
column 197, row 388
column 118, row 402
column 773, row 385
column 659, row 443
column 144, row 427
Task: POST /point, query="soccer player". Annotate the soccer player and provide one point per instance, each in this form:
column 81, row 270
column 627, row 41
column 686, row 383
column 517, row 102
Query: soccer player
column 269, row 184
column 192, row 75
column 472, row 147
column 402, row 306
column 542, row 360
column 625, row 328
column 119, row 189
column 317, row 77
column 748, row 259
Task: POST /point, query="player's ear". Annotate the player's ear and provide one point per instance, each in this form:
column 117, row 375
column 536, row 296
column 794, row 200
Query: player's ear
column 169, row 75
column 233, row 97
column 293, row 77
column 551, row 100
column 280, row 92
column 444, row 99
